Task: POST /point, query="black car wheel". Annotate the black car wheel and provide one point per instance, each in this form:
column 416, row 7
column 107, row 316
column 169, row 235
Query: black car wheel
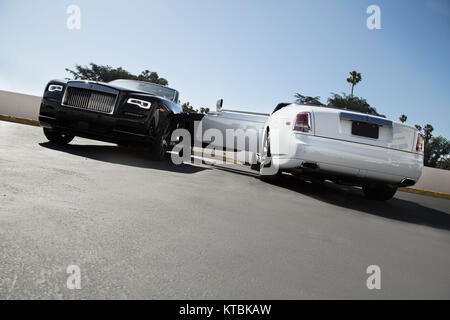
column 161, row 145
column 380, row 192
column 266, row 171
column 317, row 181
column 57, row 136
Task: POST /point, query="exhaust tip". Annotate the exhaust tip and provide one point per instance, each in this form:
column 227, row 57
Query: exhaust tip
column 310, row 165
column 408, row 182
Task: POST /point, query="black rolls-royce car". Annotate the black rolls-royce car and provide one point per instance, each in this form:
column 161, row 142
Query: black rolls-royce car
column 125, row 112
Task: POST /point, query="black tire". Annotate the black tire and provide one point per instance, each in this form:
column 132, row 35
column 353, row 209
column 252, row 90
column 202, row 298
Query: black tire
column 160, row 147
column 271, row 178
column 263, row 174
column 255, row 166
column 317, row 182
column 58, row 137
column 379, row 192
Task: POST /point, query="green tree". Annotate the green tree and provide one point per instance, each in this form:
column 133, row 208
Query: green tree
column 301, row 99
column 351, row 103
column 152, row 77
column 105, row 73
column 436, row 149
column 403, row 118
column 444, row 163
column 428, row 133
column 354, row 79
column 428, row 148
column 188, row 108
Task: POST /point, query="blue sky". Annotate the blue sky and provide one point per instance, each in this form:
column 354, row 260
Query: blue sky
column 252, row 53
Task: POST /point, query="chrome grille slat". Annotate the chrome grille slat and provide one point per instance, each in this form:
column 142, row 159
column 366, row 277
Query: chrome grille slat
column 97, row 101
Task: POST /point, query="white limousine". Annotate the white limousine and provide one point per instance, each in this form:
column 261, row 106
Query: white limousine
column 322, row 143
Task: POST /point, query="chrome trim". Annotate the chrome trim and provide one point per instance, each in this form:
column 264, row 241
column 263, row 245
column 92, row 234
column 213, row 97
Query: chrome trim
column 131, row 133
column 246, row 112
column 365, row 118
column 69, row 106
column 56, row 87
column 310, row 165
column 41, row 116
column 407, row 182
column 137, row 102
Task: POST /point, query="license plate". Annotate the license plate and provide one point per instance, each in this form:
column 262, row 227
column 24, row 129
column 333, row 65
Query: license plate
column 365, row 129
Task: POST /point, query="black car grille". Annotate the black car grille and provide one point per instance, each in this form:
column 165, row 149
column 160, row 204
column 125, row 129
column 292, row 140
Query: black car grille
column 90, row 100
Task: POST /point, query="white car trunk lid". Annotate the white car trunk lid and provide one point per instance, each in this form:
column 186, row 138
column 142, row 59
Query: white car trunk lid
column 362, row 128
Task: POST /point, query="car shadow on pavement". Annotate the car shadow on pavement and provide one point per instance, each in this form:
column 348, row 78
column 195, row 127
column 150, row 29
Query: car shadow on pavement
column 353, row 198
column 134, row 157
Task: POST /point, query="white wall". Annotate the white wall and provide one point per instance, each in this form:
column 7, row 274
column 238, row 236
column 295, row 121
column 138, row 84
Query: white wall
column 434, row 180
column 19, row 105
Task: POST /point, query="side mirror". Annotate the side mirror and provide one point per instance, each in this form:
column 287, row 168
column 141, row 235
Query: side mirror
column 219, row 105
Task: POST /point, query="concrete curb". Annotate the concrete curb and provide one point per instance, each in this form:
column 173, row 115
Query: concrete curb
column 426, row 193
column 19, row 120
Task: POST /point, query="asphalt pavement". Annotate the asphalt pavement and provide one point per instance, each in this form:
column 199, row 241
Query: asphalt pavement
column 139, row 229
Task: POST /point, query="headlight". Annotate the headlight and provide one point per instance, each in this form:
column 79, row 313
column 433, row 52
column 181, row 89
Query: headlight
column 55, row 87
column 140, row 103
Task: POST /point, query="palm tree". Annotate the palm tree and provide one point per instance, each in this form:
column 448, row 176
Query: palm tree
column 354, row 79
column 403, row 118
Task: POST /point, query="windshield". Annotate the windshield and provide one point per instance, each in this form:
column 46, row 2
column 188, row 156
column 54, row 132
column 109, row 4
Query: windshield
column 151, row 88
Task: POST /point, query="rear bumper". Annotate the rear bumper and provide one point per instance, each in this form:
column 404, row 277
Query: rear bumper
column 353, row 160
column 93, row 125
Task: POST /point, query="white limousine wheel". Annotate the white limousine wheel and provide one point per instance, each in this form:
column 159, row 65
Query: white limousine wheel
column 380, row 192
column 267, row 172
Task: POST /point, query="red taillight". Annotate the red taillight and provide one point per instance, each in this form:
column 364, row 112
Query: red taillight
column 420, row 143
column 302, row 123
